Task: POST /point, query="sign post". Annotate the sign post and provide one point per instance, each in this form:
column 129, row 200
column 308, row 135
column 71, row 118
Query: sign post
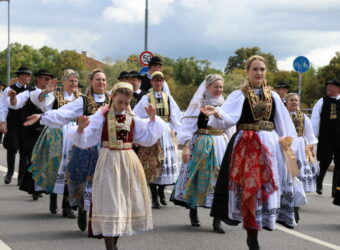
column 301, row 64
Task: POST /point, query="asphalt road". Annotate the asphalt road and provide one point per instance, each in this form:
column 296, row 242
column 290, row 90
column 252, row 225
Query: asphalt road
column 27, row 225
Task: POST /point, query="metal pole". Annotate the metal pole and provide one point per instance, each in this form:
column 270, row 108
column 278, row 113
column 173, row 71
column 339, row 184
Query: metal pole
column 146, row 26
column 8, row 48
column 300, row 80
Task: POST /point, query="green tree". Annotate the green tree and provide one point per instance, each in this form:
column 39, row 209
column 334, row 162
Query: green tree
column 241, row 56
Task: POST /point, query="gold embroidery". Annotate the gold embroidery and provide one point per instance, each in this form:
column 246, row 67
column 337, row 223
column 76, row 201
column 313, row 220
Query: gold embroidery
column 59, row 96
column 333, row 111
column 92, row 106
column 258, row 126
column 261, row 109
column 162, row 109
column 299, row 122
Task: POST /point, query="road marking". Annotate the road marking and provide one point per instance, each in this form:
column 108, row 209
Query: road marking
column 4, row 169
column 326, row 184
column 309, row 238
column 3, row 246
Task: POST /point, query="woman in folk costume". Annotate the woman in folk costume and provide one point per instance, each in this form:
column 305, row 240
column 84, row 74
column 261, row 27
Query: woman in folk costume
column 254, row 185
column 50, row 153
column 121, row 204
column 82, row 162
column 160, row 160
column 206, row 145
column 307, row 164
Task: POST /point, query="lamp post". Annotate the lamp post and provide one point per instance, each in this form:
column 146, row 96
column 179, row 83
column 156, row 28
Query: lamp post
column 8, row 45
column 146, row 26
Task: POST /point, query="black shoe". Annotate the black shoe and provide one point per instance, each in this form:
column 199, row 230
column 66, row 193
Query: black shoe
column 252, row 243
column 82, row 220
column 68, row 213
column 8, row 179
column 319, row 191
column 53, row 203
column 296, row 214
column 230, row 222
column 217, row 226
column 319, row 185
column 35, row 196
column 284, row 224
column 194, row 218
column 155, row 204
column 162, row 195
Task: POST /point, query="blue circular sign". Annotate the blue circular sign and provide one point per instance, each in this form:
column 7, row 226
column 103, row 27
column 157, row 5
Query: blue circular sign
column 301, row 64
column 143, row 70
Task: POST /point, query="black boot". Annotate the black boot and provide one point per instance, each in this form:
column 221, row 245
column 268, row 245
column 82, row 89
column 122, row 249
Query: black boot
column 154, row 196
column 296, row 214
column 10, row 167
column 194, row 217
column 82, row 220
column 253, row 243
column 319, row 179
column 162, row 195
column 53, row 203
column 217, row 226
column 68, row 213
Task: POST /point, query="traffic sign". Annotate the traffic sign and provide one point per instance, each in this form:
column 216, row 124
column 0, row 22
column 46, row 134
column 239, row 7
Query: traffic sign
column 143, row 70
column 301, row 64
column 145, row 57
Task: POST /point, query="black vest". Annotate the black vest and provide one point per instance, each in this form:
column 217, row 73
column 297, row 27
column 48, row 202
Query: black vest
column 30, row 109
column 329, row 126
column 202, row 121
column 136, row 98
column 15, row 118
column 247, row 116
column 146, row 83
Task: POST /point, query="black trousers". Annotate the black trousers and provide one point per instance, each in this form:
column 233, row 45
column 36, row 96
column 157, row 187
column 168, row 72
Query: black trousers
column 14, row 141
column 328, row 150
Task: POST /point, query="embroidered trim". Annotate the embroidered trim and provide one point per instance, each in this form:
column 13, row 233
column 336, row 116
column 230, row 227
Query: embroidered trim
column 92, row 105
column 59, row 96
column 299, row 122
column 162, row 109
column 261, row 109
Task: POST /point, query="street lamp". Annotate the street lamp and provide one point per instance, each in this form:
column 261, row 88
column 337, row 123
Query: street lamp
column 8, row 46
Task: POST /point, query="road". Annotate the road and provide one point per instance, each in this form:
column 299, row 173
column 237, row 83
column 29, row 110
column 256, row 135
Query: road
column 27, row 225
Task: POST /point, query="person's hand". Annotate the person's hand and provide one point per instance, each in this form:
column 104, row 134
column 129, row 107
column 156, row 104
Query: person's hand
column 151, row 111
column 3, row 127
column 12, row 93
column 32, row 120
column 51, row 86
column 83, row 122
column 310, row 147
column 209, row 110
column 185, row 154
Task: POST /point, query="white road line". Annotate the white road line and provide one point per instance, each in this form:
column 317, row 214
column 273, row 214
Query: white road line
column 4, row 170
column 309, row 238
column 3, row 246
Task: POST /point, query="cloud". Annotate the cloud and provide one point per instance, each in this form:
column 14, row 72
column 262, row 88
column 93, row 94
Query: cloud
column 133, row 11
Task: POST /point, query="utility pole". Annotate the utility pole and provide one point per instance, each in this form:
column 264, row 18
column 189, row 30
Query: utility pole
column 146, row 25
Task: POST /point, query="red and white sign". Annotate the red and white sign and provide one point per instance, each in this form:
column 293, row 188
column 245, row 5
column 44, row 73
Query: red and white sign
column 145, row 57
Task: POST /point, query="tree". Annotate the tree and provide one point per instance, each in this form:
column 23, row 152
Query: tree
column 242, row 54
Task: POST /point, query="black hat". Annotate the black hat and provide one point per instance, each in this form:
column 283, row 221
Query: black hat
column 43, row 72
column 282, row 85
column 123, row 74
column 23, row 70
column 134, row 73
column 155, row 60
column 334, row 82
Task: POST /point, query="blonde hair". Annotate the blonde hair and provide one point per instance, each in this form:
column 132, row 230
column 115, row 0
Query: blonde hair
column 291, row 95
column 67, row 73
column 94, row 72
column 253, row 58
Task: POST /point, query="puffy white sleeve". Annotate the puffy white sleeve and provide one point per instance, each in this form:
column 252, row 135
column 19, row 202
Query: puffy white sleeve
column 175, row 115
column 166, row 88
column 56, row 118
column 230, row 111
column 315, row 119
column 4, row 105
column 140, row 107
column 284, row 125
column 47, row 103
column 22, row 98
column 91, row 135
column 147, row 132
column 308, row 132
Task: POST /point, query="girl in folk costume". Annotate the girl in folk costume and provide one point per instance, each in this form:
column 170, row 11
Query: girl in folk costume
column 81, row 166
column 160, row 160
column 254, row 185
column 121, row 204
column 50, row 153
column 307, row 164
column 197, row 178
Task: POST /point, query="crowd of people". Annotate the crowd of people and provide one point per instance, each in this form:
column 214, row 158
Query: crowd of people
column 249, row 158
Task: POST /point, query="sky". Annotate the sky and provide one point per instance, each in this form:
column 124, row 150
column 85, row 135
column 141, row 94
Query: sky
column 205, row 29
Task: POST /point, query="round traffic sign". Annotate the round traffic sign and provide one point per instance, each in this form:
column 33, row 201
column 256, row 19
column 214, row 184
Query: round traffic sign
column 145, row 57
column 143, row 70
column 301, row 64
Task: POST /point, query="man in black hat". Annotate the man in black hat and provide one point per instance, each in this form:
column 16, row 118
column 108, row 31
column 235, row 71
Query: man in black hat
column 28, row 101
column 11, row 124
column 123, row 76
column 326, row 124
column 136, row 79
column 282, row 89
column 155, row 64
